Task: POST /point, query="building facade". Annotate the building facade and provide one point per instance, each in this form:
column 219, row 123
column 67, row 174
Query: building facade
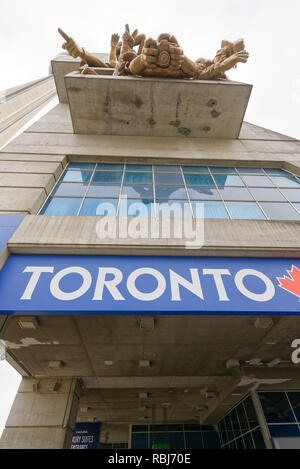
column 176, row 339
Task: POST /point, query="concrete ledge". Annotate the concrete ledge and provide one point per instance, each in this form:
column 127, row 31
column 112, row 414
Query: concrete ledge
column 110, row 105
column 77, row 235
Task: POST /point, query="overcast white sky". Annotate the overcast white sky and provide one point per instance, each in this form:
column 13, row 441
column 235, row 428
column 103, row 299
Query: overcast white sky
column 29, row 40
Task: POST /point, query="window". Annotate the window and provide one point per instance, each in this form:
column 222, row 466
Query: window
column 89, row 189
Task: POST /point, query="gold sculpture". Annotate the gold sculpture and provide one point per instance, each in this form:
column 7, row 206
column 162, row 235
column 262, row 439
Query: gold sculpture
column 162, row 58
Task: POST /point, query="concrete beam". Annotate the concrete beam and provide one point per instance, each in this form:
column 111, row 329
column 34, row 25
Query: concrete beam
column 42, row 416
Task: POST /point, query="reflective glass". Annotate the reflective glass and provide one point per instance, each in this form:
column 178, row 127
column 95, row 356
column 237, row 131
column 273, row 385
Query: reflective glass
column 211, row 209
column 286, row 181
column 195, row 169
column 138, row 167
column 242, row 417
column 267, row 194
column 71, row 189
column 104, row 190
column 276, row 171
column 228, row 180
column 100, row 207
column 199, row 179
column 235, row 193
column 173, row 209
column 284, row 431
column 250, row 171
column 222, row 170
column 292, row 194
column 210, row 440
column 250, row 412
column 297, row 206
column 76, row 176
column 235, row 423
column 136, row 208
column 109, row 167
column 170, row 192
column 61, row 206
column 168, row 178
column 276, row 407
column 280, row 211
column 294, row 398
column 107, row 176
column 203, row 193
column 258, row 181
column 258, row 439
column 137, row 191
column 245, row 210
column 84, row 166
column 138, row 178
column 166, row 169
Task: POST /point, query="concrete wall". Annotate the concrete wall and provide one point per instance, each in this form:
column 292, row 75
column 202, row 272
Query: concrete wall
column 41, row 417
column 31, row 164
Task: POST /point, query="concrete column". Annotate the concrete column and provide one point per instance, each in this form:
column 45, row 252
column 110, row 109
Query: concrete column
column 43, row 415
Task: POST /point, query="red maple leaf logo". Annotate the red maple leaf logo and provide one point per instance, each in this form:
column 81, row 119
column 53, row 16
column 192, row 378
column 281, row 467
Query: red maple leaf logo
column 291, row 283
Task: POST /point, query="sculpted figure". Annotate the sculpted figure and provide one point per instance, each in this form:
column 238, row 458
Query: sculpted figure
column 86, row 58
column 165, row 58
column 158, row 58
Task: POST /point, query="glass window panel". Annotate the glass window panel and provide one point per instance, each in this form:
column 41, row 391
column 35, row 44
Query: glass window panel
column 294, row 398
column 61, row 206
column 240, row 443
column 245, row 210
column 250, row 171
column 228, row 180
column 211, row 209
column 235, row 423
column 176, row 440
column 267, row 194
column 258, row 439
column 248, row 441
column 241, row 413
column 104, row 190
column 173, row 209
column 138, row 191
column 210, row 440
column 192, row 427
column 284, row 431
column 195, row 169
column 285, row 181
column 138, row 167
column 136, row 208
column 276, row 171
column 203, row 193
column 109, row 167
column 158, row 428
column 76, row 176
column 71, row 189
column 276, row 407
column 139, row 441
column 158, row 438
column 250, row 412
column 84, row 166
column 166, row 169
column 139, row 428
column 168, row 178
column 235, row 193
column 222, row 170
column 297, row 206
column 292, row 194
column 280, row 211
column 99, row 207
column 193, row 440
column 175, row 427
column 229, row 428
column 170, row 192
column 199, row 179
column 138, row 178
column 107, row 176
column 258, row 181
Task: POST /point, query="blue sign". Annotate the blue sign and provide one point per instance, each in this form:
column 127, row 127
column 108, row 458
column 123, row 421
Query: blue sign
column 149, row 285
column 86, row 435
column 8, row 225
